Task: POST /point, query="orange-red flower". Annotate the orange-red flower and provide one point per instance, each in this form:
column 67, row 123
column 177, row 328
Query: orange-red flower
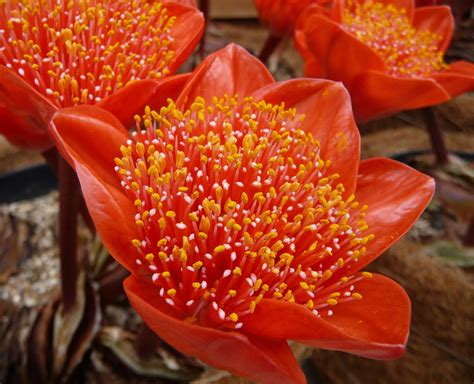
column 242, row 211
column 387, row 54
column 62, row 53
column 281, row 15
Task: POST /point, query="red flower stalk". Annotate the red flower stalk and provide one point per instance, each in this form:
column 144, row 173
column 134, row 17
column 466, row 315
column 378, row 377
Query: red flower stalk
column 62, row 53
column 388, row 54
column 245, row 217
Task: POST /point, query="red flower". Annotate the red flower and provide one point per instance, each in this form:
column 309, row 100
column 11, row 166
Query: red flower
column 281, row 15
column 240, row 210
column 60, row 54
column 388, row 54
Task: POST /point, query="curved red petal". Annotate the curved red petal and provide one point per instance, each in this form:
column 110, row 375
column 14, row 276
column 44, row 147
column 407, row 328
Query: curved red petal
column 25, row 112
column 132, row 99
column 396, row 196
column 281, row 15
column 22, row 133
column 369, row 102
column 342, row 55
column 457, row 79
column 90, row 138
column 376, row 326
column 186, row 31
column 258, row 359
column 438, row 20
column 231, row 70
column 312, row 67
column 328, row 116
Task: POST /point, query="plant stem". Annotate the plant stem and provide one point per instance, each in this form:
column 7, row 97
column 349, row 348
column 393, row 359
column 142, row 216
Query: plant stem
column 269, row 47
column 438, row 145
column 204, row 7
column 51, row 157
column 146, row 342
column 69, row 203
column 468, row 238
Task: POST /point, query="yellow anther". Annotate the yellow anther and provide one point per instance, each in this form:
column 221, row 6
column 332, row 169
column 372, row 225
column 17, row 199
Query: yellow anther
column 170, row 214
column 331, row 302
column 136, row 243
column 197, row 265
column 219, row 249
column 252, row 306
column 234, row 317
column 357, row 296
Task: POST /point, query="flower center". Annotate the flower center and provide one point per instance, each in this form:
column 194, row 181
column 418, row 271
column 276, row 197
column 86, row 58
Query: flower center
column 78, row 52
column 389, row 32
column 235, row 205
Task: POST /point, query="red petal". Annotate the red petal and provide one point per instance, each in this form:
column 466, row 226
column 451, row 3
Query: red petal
column 132, row 99
column 376, row 326
column 187, row 30
column 341, row 55
column 24, row 112
column 312, row 67
column 376, row 94
column 457, row 79
column 231, row 70
column 396, row 195
column 282, row 15
column 327, row 107
column 438, row 20
column 258, row 359
column 90, row 138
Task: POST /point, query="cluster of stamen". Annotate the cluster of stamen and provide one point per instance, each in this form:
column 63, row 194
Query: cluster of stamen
column 234, row 204
column 389, row 32
column 79, row 51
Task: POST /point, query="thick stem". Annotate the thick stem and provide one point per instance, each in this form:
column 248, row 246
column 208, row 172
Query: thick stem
column 69, row 203
column 468, row 239
column 146, row 342
column 269, row 47
column 51, row 157
column 204, row 7
column 436, row 136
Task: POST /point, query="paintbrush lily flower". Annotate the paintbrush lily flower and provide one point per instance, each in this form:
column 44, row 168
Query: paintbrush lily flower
column 388, row 54
column 281, row 15
column 57, row 54
column 241, row 209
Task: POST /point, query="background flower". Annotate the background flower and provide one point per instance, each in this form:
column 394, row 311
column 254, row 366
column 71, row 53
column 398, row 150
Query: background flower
column 387, row 54
column 47, row 62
